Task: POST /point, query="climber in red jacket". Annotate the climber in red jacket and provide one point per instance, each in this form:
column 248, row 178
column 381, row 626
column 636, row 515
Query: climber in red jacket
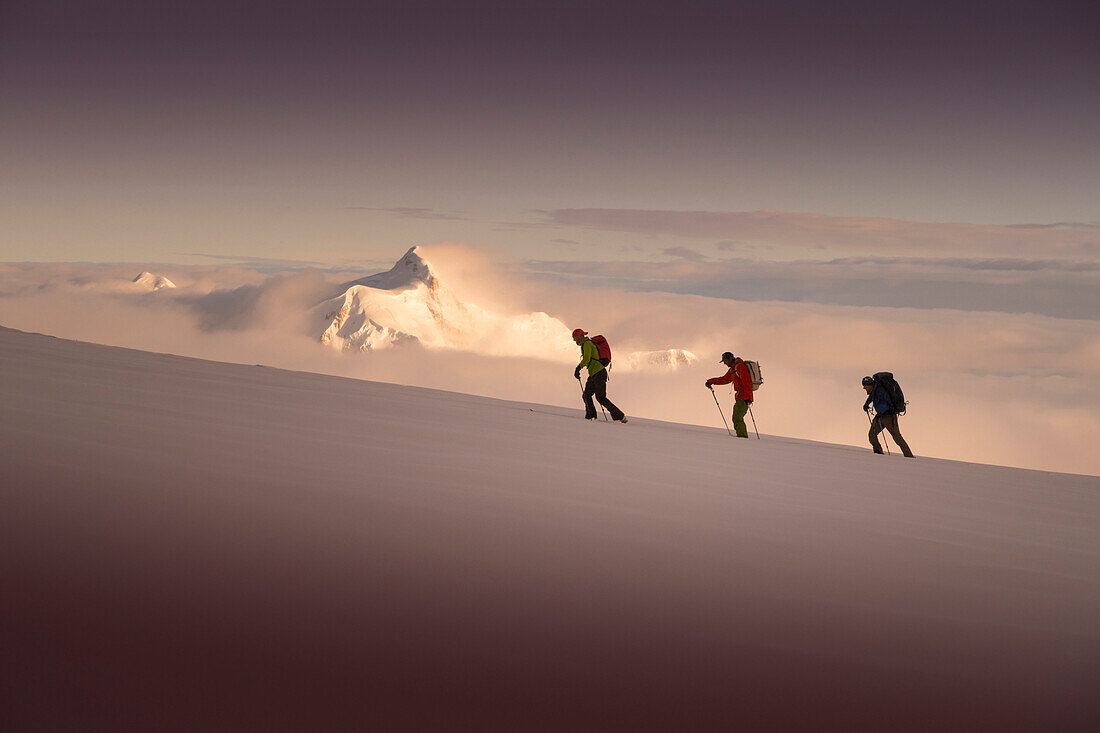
column 738, row 374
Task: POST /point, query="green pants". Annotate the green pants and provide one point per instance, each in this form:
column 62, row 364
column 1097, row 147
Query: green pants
column 740, row 407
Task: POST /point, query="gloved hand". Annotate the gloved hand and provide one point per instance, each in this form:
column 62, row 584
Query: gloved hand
column 866, row 408
column 708, row 385
column 577, row 373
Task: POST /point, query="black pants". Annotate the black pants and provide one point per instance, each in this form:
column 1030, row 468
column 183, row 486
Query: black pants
column 596, row 386
column 888, row 422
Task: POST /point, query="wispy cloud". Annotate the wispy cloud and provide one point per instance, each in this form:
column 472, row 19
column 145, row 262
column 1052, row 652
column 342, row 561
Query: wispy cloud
column 1058, row 225
column 523, row 226
column 413, row 212
column 843, row 234
column 1000, row 263
column 729, row 245
column 282, row 263
column 684, row 253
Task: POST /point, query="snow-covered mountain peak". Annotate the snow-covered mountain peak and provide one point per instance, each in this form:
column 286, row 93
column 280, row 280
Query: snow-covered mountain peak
column 411, row 304
column 406, row 304
column 148, row 281
column 663, row 360
column 406, row 274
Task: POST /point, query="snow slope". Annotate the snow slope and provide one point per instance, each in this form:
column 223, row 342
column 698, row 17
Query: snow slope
column 191, row 545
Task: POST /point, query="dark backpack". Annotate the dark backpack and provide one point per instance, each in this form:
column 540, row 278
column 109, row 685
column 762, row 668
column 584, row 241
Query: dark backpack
column 893, row 389
column 603, row 348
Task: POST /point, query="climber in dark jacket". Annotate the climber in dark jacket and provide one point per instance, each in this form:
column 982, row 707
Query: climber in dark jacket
column 885, row 416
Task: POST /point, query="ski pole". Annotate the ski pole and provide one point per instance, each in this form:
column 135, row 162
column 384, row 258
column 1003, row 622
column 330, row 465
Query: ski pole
column 720, row 410
column 754, row 423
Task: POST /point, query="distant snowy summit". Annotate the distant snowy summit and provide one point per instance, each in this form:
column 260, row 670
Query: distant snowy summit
column 150, row 282
column 411, row 304
column 667, row 359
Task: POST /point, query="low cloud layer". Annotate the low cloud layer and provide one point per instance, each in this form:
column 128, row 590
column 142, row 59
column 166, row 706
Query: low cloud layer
column 281, row 300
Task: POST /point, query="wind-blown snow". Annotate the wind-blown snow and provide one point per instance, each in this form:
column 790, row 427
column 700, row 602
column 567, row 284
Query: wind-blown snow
column 410, row 303
column 236, row 547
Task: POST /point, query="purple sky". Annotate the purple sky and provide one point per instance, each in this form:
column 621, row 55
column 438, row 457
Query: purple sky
column 134, row 128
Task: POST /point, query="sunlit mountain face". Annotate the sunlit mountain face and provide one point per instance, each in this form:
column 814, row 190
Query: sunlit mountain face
column 411, row 304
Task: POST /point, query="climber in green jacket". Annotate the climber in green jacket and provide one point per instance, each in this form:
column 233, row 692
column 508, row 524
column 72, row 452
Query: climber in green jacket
column 596, row 386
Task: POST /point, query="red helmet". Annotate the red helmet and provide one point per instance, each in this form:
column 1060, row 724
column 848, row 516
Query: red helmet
column 577, row 333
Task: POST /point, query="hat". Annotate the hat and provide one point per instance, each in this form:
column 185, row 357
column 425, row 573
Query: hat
column 577, row 333
column 726, row 355
column 868, row 382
